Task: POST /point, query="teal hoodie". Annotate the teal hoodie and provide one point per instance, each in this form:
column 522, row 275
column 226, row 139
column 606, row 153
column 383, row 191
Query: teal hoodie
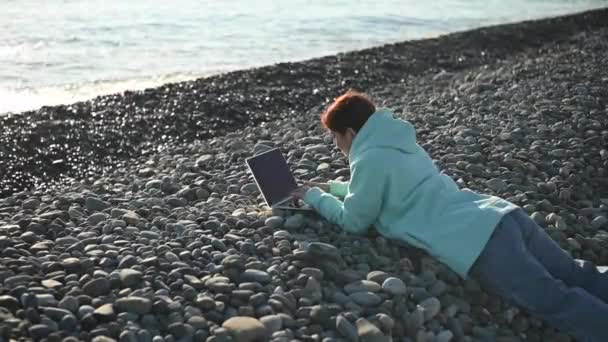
column 396, row 187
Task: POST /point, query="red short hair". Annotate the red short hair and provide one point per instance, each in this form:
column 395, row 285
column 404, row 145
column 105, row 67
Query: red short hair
column 350, row 110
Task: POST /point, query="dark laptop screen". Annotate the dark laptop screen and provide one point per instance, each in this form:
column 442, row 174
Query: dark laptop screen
column 272, row 174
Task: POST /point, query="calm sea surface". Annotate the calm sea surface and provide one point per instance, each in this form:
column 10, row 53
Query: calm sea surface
column 62, row 51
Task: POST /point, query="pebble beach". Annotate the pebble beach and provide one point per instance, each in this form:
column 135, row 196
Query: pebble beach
column 132, row 217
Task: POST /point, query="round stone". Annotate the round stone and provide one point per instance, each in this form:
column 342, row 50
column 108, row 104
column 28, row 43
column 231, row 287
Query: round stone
column 10, row 303
column 496, row 184
column 39, row 331
column 254, row 275
column 133, row 304
column 130, row 277
column 394, row 286
column 346, row 328
column 599, row 222
column 369, row 332
column 105, row 313
column 366, row 298
column 97, row 287
column 274, row 222
column 444, row 336
column 273, row 323
column 362, row 286
column 431, row 307
column 245, row 329
column 95, row 204
column 377, row 276
column 282, row 235
column 385, row 321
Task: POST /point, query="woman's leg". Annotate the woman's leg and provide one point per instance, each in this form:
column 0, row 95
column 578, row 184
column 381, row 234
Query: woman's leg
column 507, row 267
column 574, row 272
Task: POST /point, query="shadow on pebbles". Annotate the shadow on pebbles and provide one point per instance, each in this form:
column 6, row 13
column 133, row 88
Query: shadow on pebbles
column 174, row 246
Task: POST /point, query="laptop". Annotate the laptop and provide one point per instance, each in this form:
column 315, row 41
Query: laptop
column 274, row 179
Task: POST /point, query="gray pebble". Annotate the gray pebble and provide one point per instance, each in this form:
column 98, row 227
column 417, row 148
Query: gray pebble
column 46, row 299
column 274, row 222
column 599, row 222
column 377, row 276
column 362, row 286
column 368, row 332
column 496, row 184
column 273, row 323
column 95, row 204
column 133, row 304
column 255, row 276
column 431, row 306
column 39, row 331
column 346, row 329
column 31, row 204
column 386, row 322
column 148, row 234
column 9, row 302
column 129, row 277
column 394, row 286
column 366, row 298
column 97, row 287
column 127, row 336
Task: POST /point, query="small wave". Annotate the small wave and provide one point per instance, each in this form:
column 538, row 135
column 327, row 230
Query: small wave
column 24, row 99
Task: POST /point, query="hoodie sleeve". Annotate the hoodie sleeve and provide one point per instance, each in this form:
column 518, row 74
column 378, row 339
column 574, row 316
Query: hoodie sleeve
column 363, row 201
column 338, row 188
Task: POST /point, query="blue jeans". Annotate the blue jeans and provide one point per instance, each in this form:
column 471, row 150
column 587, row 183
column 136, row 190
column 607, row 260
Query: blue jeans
column 524, row 265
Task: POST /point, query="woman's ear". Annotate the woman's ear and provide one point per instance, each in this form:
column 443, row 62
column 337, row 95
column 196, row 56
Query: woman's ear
column 351, row 132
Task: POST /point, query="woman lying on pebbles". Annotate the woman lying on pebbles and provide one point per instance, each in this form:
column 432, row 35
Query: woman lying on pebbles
column 396, row 188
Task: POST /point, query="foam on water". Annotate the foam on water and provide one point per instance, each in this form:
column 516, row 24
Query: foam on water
column 19, row 100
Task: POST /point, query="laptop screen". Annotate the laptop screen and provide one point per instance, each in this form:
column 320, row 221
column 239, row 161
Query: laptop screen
column 272, row 175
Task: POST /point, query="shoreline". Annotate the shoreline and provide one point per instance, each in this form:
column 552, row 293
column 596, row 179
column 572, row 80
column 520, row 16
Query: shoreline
column 59, row 93
column 102, row 132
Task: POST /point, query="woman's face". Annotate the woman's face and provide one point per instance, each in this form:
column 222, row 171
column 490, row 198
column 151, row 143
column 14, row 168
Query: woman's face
column 344, row 141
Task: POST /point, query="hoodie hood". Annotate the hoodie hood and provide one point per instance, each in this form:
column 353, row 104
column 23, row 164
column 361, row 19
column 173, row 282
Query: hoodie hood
column 383, row 130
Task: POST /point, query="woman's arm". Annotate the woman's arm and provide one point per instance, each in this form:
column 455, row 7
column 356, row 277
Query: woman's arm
column 364, row 195
column 334, row 187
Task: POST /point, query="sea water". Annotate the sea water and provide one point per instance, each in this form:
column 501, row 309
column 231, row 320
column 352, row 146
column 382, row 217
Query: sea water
column 62, row 51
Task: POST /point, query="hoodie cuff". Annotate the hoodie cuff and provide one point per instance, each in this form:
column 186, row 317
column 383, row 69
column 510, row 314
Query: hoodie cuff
column 338, row 188
column 313, row 196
